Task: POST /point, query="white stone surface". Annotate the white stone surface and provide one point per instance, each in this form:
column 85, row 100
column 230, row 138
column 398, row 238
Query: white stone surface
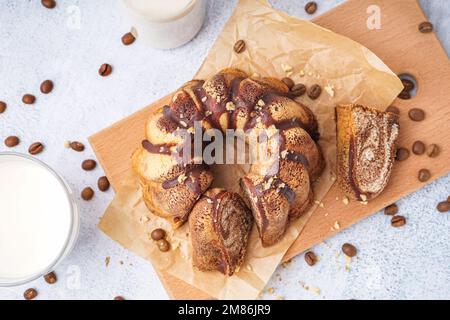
column 69, row 43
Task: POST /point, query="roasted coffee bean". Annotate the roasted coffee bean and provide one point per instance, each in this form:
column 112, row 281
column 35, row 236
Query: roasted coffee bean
column 425, row 27
column 49, row 4
column 12, row 141
column 391, row 210
column 119, row 298
column 424, row 175
column 298, row 90
column 239, row 46
column 408, row 85
column 433, row 150
column 30, row 294
column 158, row 234
column 443, row 206
column 349, row 250
column 314, row 91
column 310, row 258
column 288, row 82
column 46, row 86
column 88, row 164
column 311, row 7
column 2, row 106
column 163, row 245
column 28, row 98
column 105, row 70
column 87, row 193
column 398, row 221
column 418, row 147
column 402, row 154
column 128, row 38
column 50, row 278
column 416, row 114
column 36, row 148
column 393, row 109
column 405, row 95
column 103, row 184
column 76, row 146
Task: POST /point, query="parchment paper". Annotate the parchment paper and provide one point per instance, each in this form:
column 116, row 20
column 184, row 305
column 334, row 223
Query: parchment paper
column 275, row 43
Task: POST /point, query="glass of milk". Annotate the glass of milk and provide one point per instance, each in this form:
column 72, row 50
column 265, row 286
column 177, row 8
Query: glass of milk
column 165, row 24
column 39, row 220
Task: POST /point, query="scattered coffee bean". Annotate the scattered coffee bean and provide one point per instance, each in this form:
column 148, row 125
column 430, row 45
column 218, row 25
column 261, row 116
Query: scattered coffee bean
column 311, row 7
column 30, row 294
column 103, row 184
column 105, row 70
column 2, row 106
column 87, row 193
column 49, row 4
column 36, row 148
column 288, row 82
column 408, row 85
column 119, row 298
column 418, row 147
column 88, row 164
column 46, row 86
column 402, row 154
column 28, row 98
column 298, row 90
column 314, row 91
column 12, row 141
column 163, row 245
column 349, row 250
column 425, row 27
column 239, row 46
column 405, row 95
column 128, row 38
column 158, row 234
column 310, row 258
column 433, row 150
column 50, row 278
column 398, row 221
column 416, row 114
column 443, row 206
column 391, row 209
column 76, row 146
column 393, row 109
column 424, row 175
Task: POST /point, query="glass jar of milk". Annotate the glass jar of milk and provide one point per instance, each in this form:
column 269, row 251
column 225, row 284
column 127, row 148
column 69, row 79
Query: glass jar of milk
column 165, row 24
column 39, row 220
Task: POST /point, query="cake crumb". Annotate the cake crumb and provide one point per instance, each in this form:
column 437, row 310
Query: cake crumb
column 286, row 68
column 302, row 73
column 310, row 288
column 67, row 144
column 345, row 200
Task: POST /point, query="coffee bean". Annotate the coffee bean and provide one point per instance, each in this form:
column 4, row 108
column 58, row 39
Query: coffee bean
column 418, row 147
column 87, row 193
column 239, row 46
column 36, row 148
column 50, row 278
column 398, row 221
column 2, row 106
column 288, row 82
column 408, row 85
column 416, row 114
column 298, row 90
column 88, row 164
column 310, row 258
column 158, row 234
column 433, row 150
column 49, row 4
column 443, row 206
column 28, row 98
column 425, row 27
column 105, row 70
column 424, row 175
column 103, row 184
column 12, row 141
column 30, row 294
column 311, row 7
column 76, row 146
column 349, row 250
column 163, row 245
column 128, row 38
column 46, row 86
column 391, row 210
column 314, row 91
column 393, row 109
column 119, row 298
column 405, row 95
column 402, row 154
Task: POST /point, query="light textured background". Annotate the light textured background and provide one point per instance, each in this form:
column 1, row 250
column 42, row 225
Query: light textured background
column 37, row 44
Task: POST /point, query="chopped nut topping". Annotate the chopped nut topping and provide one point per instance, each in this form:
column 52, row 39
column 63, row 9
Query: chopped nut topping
column 67, row 144
column 204, row 99
column 286, row 67
column 302, row 73
column 336, row 225
column 208, row 113
column 183, row 123
column 284, row 153
column 261, row 103
column 345, row 200
column 329, row 89
column 230, row 106
column 181, row 178
column 209, row 200
column 270, row 290
column 191, row 130
column 255, row 75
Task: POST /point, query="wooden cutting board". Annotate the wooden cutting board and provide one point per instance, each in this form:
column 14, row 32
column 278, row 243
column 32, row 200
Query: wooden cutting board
column 405, row 50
